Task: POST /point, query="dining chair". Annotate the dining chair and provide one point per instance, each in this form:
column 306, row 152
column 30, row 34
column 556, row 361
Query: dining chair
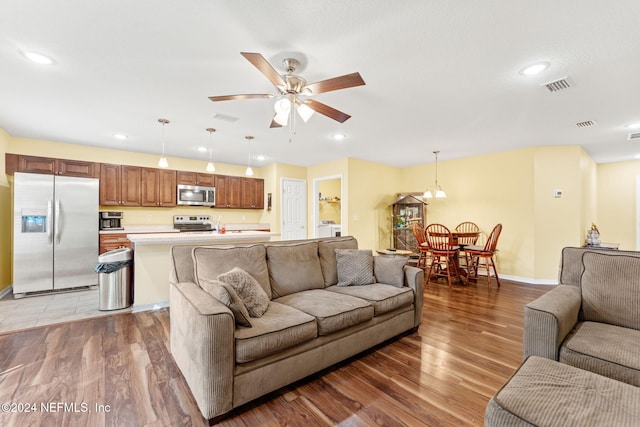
column 443, row 253
column 468, row 227
column 423, row 250
column 485, row 253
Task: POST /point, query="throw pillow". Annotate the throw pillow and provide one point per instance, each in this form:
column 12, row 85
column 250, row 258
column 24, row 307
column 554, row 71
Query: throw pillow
column 390, row 269
column 249, row 290
column 228, row 296
column 355, row 267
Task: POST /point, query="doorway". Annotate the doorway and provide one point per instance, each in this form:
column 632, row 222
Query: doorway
column 328, row 196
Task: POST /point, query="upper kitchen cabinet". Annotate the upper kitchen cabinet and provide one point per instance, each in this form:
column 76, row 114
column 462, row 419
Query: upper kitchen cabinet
column 120, row 185
column 252, row 193
column 195, row 178
column 228, row 191
column 50, row 166
column 158, row 187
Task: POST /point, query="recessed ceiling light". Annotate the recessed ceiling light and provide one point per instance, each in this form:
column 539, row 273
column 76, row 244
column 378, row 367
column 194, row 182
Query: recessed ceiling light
column 120, row 136
column 260, row 158
column 339, row 136
column 534, row 69
column 637, row 156
column 201, row 149
column 634, row 125
column 37, row 57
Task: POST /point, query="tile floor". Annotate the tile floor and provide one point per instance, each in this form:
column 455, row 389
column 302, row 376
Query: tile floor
column 40, row 310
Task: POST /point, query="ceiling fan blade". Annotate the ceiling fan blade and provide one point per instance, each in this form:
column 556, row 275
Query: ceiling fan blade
column 336, row 83
column 327, row 111
column 275, row 124
column 264, row 67
column 246, row 96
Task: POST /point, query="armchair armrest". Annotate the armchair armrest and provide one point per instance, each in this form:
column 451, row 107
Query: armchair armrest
column 548, row 320
column 414, row 278
column 202, row 344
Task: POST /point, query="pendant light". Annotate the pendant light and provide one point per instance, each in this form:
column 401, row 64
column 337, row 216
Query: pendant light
column 249, row 171
column 210, row 165
column 163, row 163
column 439, row 192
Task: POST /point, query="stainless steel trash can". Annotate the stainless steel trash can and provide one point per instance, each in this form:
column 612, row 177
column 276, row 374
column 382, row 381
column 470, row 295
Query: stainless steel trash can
column 114, row 279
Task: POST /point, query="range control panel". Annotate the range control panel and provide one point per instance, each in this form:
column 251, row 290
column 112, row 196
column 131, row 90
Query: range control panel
column 191, row 219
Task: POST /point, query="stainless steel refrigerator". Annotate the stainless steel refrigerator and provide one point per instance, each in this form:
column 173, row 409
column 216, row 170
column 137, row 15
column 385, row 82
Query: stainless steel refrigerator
column 55, row 235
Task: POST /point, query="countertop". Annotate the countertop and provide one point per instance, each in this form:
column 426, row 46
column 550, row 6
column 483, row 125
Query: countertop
column 173, row 238
column 132, row 229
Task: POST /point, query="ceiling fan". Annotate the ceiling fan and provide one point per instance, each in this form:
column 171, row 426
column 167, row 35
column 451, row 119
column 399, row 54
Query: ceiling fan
column 294, row 92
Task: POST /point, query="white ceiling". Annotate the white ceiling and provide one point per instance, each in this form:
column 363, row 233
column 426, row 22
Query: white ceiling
column 440, row 75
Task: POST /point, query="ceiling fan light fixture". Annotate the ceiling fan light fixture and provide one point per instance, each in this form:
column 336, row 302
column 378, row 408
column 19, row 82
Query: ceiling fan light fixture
column 304, row 111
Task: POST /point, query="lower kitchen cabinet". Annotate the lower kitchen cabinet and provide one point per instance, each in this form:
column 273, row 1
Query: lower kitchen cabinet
column 111, row 241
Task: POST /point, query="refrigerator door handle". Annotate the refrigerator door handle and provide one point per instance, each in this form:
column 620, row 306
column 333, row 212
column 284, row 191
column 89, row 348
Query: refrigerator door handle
column 57, row 220
column 48, row 224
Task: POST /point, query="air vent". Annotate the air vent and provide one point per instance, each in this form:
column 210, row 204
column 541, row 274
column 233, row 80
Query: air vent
column 633, row 136
column 558, row 85
column 224, row 117
column 585, row 124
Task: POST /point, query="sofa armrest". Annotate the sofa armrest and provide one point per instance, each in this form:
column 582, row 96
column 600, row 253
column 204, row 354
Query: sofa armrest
column 202, row 344
column 548, row 320
column 414, row 278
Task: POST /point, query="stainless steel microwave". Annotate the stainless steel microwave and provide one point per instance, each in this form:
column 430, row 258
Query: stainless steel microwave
column 194, row 195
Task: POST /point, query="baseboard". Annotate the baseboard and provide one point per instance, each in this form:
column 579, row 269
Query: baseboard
column 6, row 291
column 529, row 280
column 147, row 307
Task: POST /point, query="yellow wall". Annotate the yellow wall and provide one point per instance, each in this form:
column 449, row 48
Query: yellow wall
column 617, row 193
column 5, row 217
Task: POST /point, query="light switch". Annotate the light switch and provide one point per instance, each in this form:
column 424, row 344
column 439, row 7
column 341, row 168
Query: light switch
column 557, row 193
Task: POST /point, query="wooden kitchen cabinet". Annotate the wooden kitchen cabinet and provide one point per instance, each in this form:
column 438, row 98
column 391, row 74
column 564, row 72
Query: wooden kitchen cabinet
column 195, row 178
column 111, row 241
column 50, row 166
column 158, row 187
column 228, row 191
column 252, row 193
column 119, row 185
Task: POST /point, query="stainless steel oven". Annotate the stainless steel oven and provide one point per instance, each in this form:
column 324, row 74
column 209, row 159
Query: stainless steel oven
column 194, row 195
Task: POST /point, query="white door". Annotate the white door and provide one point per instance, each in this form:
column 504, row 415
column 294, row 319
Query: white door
column 294, row 209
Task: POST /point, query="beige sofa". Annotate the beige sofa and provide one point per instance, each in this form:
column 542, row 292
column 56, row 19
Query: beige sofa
column 592, row 319
column 310, row 323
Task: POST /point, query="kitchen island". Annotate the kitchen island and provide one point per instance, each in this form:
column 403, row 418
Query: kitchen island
column 151, row 259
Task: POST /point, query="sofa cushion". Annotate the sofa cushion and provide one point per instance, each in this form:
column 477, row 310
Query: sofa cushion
column 327, row 251
column 610, row 290
column 248, row 289
column 355, row 267
column 389, row 269
column 607, row 350
column 229, row 297
column 211, row 261
column 383, row 297
column 333, row 311
column 294, row 268
column 279, row 328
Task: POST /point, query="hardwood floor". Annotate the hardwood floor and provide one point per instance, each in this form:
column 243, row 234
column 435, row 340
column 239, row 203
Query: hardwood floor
column 117, row 371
